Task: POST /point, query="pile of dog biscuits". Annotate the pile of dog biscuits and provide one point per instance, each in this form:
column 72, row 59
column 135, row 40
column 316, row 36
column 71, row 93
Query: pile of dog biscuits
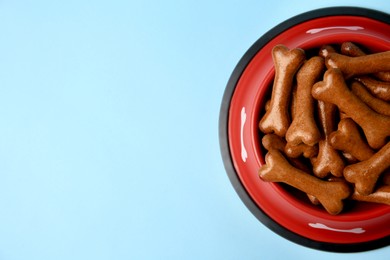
column 326, row 127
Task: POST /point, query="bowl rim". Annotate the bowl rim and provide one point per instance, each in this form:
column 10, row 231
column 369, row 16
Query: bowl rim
column 224, row 135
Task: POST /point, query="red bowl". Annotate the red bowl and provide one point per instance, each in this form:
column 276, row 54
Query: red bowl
column 364, row 226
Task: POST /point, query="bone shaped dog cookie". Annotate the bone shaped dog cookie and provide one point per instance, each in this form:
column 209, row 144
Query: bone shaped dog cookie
column 296, row 150
column 376, row 104
column 351, row 49
column 329, row 194
column 378, row 88
column 348, row 139
column 366, row 173
column 352, row 66
column 303, row 128
column 381, row 195
column 333, row 89
column 325, row 50
column 273, row 141
column 287, row 62
column 328, row 159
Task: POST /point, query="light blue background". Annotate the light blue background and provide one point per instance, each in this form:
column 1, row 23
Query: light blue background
column 109, row 130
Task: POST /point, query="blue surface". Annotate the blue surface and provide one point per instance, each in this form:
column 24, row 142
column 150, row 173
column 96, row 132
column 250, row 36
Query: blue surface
column 109, row 130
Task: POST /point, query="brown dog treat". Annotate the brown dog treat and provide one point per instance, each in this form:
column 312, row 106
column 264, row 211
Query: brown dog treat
column 376, row 104
column 328, row 159
column 347, row 138
column 330, row 194
column 303, row 128
column 297, row 150
column 287, row 62
column 273, row 141
column 366, row 173
column 380, row 89
column 351, row 49
column 333, row 89
column 327, row 117
column 352, row 66
column 381, row 195
column 325, row 50
column 314, row 200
